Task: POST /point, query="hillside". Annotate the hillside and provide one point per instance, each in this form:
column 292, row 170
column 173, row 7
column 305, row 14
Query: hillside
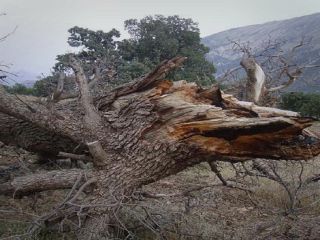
column 291, row 31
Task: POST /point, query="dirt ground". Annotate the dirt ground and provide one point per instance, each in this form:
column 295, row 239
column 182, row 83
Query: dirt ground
column 212, row 211
column 216, row 212
column 221, row 212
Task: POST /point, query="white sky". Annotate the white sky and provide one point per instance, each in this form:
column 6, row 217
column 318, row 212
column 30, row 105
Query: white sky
column 43, row 24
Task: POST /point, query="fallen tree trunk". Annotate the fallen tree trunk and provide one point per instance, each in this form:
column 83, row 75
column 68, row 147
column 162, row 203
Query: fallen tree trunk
column 146, row 130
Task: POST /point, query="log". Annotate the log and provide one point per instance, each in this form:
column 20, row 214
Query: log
column 152, row 128
column 33, row 138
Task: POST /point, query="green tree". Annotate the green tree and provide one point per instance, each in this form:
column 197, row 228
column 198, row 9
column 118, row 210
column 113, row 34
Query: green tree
column 156, row 38
column 45, row 86
column 97, row 48
column 19, row 88
column 308, row 104
column 152, row 40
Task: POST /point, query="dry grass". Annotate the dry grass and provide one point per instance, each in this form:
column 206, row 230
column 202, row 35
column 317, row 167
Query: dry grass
column 211, row 213
column 215, row 212
column 224, row 213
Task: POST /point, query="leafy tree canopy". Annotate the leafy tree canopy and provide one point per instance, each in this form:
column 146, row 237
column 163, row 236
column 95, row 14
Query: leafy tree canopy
column 95, row 47
column 308, row 104
column 152, row 40
column 156, row 38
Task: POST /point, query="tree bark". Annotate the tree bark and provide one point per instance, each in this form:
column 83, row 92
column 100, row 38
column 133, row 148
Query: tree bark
column 255, row 85
column 149, row 129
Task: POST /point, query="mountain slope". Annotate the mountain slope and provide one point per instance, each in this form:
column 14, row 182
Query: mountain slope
column 291, row 31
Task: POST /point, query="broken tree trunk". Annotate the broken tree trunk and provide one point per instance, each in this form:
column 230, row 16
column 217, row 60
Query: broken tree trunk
column 255, row 85
column 144, row 131
column 256, row 90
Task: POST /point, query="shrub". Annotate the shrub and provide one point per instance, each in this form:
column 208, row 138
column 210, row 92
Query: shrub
column 21, row 89
column 308, row 104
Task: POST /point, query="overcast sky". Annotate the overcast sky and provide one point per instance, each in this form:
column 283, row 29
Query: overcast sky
column 43, row 24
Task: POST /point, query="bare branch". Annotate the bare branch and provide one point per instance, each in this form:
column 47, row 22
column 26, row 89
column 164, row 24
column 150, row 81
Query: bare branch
column 223, row 77
column 57, row 93
column 7, row 35
column 214, row 168
column 92, row 118
column 292, row 78
column 82, row 188
column 97, row 77
column 143, row 83
column 75, row 156
column 182, row 193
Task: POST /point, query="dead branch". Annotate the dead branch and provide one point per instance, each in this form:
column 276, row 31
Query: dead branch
column 81, row 189
column 80, row 157
column 179, row 194
column 92, row 118
column 3, row 38
column 38, row 182
column 58, row 92
column 96, row 78
column 143, row 83
column 214, row 168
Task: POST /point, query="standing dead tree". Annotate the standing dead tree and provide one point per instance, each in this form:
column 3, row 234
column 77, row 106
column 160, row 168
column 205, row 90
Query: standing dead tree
column 139, row 133
column 268, row 70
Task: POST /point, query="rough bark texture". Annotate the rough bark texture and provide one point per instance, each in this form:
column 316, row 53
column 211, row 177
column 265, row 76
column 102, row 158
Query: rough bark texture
column 33, row 138
column 38, row 182
column 144, row 131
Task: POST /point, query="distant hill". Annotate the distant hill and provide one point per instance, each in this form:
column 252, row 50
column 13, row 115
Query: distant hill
column 24, row 77
column 291, row 30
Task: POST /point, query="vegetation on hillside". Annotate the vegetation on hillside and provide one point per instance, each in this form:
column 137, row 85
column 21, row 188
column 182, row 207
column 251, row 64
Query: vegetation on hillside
column 19, row 88
column 286, row 32
column 308, row 104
